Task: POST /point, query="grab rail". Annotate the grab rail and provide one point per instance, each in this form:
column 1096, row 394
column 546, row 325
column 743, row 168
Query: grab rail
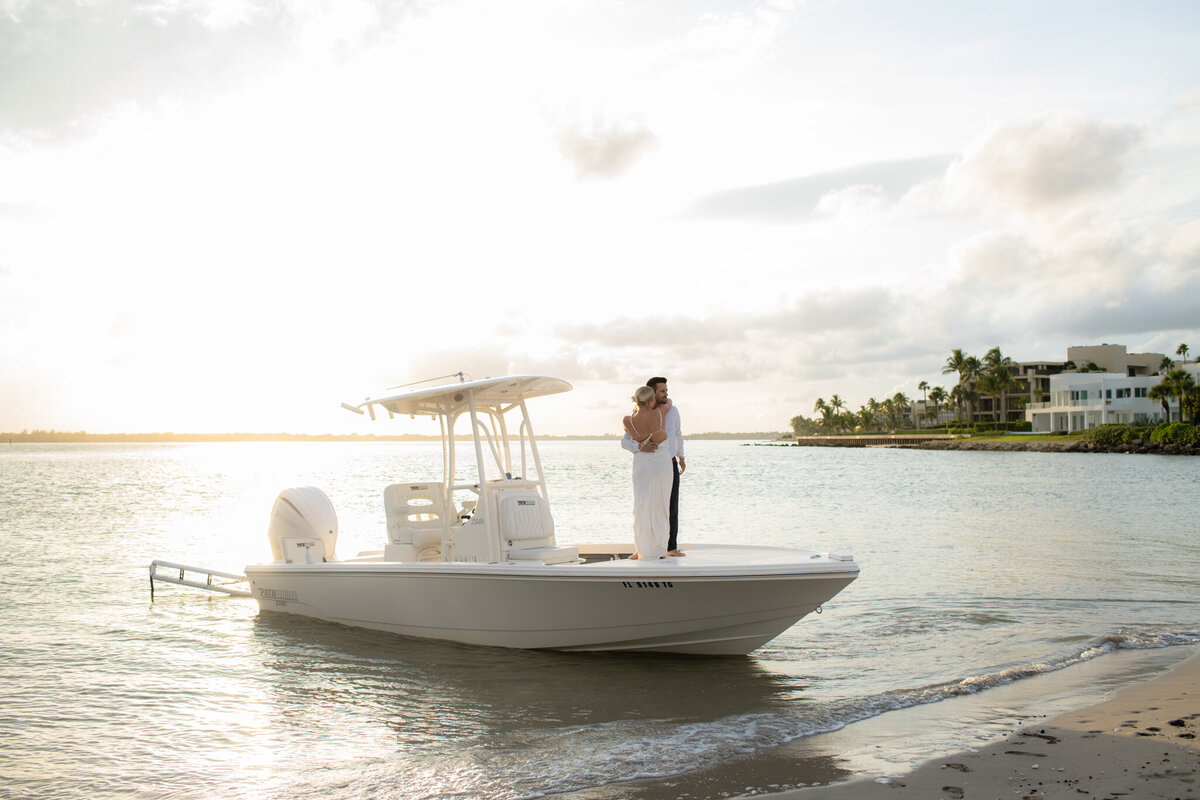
column 228, row 586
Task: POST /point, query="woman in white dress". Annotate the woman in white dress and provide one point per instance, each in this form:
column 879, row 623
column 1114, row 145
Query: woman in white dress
column 652, row 477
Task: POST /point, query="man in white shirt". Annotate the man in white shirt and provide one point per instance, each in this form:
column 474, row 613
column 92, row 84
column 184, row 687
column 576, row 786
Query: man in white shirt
column 674, row 442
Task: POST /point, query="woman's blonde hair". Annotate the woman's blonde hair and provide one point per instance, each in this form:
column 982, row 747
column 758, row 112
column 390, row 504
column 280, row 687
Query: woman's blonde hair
column 641, row 396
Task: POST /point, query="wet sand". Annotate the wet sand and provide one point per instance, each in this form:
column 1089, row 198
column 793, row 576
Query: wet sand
column 1140, row 743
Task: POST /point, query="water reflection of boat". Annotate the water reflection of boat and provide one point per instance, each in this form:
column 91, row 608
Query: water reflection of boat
column 425, row 682
column 538, row 723
column 475, row 560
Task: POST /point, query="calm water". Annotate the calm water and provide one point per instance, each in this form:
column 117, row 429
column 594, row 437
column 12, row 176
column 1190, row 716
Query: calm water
column 980, row 572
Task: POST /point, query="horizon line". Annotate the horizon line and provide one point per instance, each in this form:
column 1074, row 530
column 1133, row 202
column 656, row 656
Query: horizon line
column 83, row 437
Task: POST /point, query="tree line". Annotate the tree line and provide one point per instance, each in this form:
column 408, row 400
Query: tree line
column 990, row 376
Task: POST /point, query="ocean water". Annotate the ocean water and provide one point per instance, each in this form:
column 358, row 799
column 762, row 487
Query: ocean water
column 982, row 575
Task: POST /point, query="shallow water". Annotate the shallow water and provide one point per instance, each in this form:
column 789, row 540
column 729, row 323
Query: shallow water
column 979, row 571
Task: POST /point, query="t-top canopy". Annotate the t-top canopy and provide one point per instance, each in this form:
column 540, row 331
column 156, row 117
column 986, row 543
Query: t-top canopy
column 446, row 398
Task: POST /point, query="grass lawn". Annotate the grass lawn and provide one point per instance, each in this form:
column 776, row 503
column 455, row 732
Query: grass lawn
column 985, row 437
column 1030, row 437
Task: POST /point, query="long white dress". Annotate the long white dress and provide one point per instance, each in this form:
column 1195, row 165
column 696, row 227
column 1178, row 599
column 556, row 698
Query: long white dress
column 652, row 479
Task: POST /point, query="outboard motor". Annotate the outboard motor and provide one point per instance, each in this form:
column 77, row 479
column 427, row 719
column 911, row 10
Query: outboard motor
column 303, row 527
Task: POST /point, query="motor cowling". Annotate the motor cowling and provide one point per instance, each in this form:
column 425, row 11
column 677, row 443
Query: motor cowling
column 303, row 527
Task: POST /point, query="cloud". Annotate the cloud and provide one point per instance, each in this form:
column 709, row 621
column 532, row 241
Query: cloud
column 65, row 63
column 1096, row 272
column 999, row 259
column 798, row 199
column 604, row 149
column 1098, row 278
column 1131, row 310
column 818, row 312
column 821, row 333
column 61, row 61
column 1048, row 163
column 858, row 200
column 17, row 210
column 1051, row 164
column 1183, row 244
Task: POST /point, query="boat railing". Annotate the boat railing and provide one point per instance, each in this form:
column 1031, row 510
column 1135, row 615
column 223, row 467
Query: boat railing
column 213, row 580
column 482, row 431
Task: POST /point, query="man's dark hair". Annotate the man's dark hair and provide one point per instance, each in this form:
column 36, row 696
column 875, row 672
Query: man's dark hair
column 654, row 382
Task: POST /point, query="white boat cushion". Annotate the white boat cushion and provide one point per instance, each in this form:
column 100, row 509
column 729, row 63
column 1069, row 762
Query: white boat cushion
column 548, row 555
column 525, row 518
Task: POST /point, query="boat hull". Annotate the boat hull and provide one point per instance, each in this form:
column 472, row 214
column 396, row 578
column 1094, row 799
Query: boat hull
column 712, row 606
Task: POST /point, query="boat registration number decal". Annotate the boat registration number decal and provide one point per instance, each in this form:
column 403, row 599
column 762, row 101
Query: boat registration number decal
column 277, row 594
column 648, row 584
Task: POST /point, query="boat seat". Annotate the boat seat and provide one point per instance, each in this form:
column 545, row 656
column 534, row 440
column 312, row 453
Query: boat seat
column 416, row 521
column 556, row 554
column 527, row 530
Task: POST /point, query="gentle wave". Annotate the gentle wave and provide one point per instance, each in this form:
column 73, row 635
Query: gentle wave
column 907, row 698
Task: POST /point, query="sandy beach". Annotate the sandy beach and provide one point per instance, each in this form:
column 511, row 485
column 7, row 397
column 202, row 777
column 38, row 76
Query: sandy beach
column 1140, row 743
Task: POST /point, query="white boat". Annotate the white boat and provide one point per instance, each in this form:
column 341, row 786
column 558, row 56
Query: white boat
column 475, row 559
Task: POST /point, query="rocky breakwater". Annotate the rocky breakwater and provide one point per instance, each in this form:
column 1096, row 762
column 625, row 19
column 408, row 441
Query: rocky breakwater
column 1141, row 446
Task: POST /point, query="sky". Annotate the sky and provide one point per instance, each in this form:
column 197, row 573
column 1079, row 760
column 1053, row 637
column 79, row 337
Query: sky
column 233, row 215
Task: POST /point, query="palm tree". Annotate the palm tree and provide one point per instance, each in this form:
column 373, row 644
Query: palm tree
column 957, row 396
column 866, row 417
column 989, row 384
column 1162, row 394
column 1178, row 383
column 938, row 395
column 1001, row 380
column 972, row 370
column 954, row 363
column 819, row 406
column 888, row 409
column 1165, row 365
column 923, row 387
column 958, row 363
column 998, row 379
column 900, row 402
column 1182, row 350
column 837, row 403
column 1191, row 402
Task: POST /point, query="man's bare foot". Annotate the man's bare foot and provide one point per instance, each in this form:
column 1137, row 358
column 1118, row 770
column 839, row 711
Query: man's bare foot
column 634, row 557
column 676, row 553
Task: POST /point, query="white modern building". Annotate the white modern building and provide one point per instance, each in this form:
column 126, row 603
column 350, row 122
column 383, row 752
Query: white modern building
column 1082, row 400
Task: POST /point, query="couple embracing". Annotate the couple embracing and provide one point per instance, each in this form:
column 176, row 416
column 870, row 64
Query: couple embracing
column 654, row 435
